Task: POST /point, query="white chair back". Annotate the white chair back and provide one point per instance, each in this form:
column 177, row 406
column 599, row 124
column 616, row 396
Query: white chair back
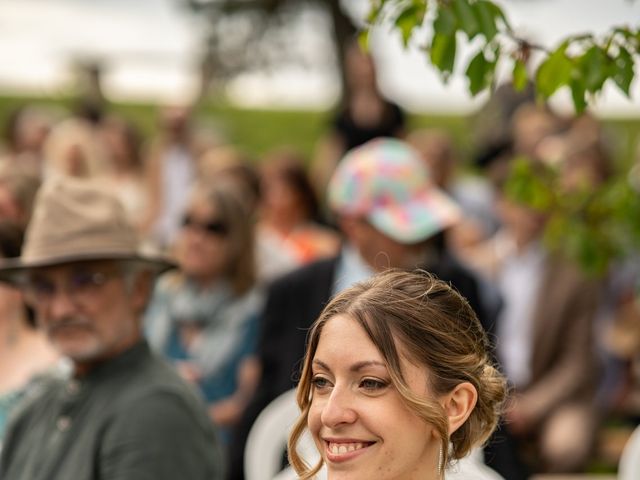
column 629, row 467
column 267, row 440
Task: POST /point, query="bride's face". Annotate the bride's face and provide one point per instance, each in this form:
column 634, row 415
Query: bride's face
column 358, row 420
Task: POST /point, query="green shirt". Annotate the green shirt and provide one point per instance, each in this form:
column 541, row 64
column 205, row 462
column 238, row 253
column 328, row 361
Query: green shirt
column 131, row 418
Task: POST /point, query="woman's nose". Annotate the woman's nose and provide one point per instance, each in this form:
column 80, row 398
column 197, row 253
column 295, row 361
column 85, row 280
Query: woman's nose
column 339, row 409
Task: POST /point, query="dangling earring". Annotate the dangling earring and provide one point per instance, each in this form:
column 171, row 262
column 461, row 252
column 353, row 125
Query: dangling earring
column 440, row 462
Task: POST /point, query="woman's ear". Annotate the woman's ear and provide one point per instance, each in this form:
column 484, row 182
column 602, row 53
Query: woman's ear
column 458, row 404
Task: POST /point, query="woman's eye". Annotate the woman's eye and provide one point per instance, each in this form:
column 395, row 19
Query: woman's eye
column 320, row 382
column 372, row 384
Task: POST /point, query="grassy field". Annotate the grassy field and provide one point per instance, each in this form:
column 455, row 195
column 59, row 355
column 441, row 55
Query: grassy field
column 258, row 131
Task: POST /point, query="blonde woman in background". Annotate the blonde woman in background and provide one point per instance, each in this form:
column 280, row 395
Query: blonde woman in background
column 204, row 315
column 122, row 141
column 74, row 148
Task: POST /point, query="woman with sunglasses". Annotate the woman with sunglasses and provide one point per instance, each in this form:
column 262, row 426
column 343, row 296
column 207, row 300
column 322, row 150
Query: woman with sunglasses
column 396, row 382
column 204, row 315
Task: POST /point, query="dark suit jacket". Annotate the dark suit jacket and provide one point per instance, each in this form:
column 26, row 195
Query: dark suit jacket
column 293, row 303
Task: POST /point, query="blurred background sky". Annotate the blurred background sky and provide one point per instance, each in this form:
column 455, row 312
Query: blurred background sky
column 151, row 50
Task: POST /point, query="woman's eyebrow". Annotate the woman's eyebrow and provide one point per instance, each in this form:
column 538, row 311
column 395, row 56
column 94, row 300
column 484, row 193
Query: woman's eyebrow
column 366, row 363
column 355, row 367
column 321, row 364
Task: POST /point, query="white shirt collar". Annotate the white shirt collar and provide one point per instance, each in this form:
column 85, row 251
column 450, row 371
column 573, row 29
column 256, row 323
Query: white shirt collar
column 351, row 269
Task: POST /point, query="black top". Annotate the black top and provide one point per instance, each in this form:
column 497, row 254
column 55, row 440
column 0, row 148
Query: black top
column 391, row 124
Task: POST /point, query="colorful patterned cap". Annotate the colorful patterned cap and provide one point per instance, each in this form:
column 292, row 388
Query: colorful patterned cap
column 386, row 181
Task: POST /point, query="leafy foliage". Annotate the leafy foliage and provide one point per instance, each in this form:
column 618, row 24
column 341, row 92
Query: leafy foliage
column 583, row 63
column 592, row 225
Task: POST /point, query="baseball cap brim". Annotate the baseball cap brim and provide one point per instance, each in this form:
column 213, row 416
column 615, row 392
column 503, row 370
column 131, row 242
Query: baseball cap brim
column 423, row 216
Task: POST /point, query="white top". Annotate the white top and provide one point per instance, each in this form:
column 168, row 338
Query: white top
column 178, row 173
column 272, row 260
column 519, row 282
column 351, row 269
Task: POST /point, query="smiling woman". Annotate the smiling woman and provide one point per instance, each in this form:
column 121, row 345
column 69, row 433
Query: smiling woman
column 396, row 381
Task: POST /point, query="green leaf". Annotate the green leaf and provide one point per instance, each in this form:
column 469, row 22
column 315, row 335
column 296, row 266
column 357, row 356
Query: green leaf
column 363, row 40
column 498, row 14
column 594, row 67
column 410, row 18
column 530, row 186
column 578, row 92
column 477, row 72
column 624, row 31
column 623, row 70
column 374, row 13
column 496, row 50
column 554, row 72
column 443, row 53
column 520, row 75
column 486, row 18
column 445, row 22
column 466, row 17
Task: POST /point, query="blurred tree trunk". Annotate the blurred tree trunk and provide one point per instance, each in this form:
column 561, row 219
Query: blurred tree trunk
column 214, row 64
column 344, row 31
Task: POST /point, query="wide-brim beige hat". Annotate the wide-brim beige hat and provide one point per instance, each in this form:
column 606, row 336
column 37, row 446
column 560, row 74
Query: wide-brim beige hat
column 77, row 220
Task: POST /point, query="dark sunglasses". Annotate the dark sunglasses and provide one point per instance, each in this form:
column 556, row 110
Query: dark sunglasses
column 215, row 227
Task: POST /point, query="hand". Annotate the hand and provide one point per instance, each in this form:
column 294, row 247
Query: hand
column 226, row 412
column 516, row 418
column 189, row 371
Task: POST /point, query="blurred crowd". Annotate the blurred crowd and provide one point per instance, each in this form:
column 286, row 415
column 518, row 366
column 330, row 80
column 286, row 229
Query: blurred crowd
column 261, row 244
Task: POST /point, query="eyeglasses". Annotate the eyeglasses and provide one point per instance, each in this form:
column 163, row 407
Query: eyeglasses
column 214, row 227
column 79, row 285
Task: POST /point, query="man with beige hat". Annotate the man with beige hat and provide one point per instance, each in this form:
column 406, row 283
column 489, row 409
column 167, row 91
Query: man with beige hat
column 123, row 414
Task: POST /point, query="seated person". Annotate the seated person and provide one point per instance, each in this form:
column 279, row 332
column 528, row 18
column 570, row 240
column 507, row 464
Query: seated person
column 204, row 316
column 123, row 413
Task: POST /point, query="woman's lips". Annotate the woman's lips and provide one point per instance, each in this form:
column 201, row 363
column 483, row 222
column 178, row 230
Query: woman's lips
column 342, row 451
